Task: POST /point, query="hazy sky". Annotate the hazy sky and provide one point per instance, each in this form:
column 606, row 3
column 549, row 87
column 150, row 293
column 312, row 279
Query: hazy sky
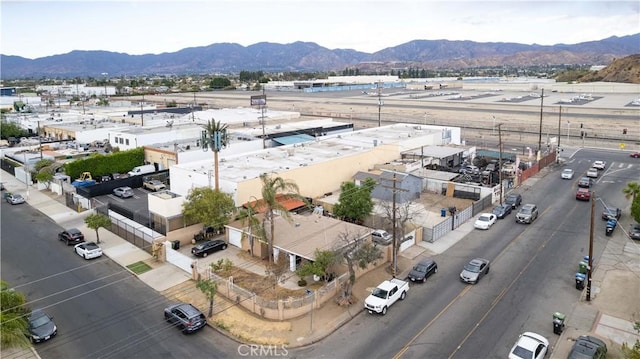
column 34, row 29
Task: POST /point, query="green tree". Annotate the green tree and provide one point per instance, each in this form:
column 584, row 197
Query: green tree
column 10, row 129
column 355, row 202
column 319, row 267
column 96, row 221
column 272, row 187
column 13, row 318
column 635, row 209
column 634, row 351
column 631, row 190
column 219, row 83
column 209, row 288
column 208, row 206
column 217, row 139
column 355, row 251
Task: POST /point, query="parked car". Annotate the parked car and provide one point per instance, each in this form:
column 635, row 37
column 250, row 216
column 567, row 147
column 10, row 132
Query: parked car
column 599, row 165
column 514, row 199
column 583, row 194
column 421, row 271
column 185, row 316
column 470, row 169
column 635, row 155
column 382, row 237
column 585, row 182
column 485, row 221
column 611, row 212
column 154, row 185
column 385, row 295
column 527, row 214
column 588, row 347
column 529, row 346
column 205, row 248
column 567, row 173
column 88, row 250
column 474, row 270
column 14, row 198
column 123, row 192
column 634, row 231
column 41, row 327
column 501, row 211
column 71, row 236
column 592, row 172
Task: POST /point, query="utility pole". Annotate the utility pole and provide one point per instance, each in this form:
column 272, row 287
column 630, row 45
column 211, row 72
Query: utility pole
column 540, row 132
column 500, row 160
column 142, row 111
column 590, row 263
column 559, row 124
column 193, row 108
column 394, row 190
column 264, row 136
column 40, row 140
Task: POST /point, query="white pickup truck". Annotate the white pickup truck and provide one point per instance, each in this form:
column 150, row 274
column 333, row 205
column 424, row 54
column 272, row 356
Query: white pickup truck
column 385, row 294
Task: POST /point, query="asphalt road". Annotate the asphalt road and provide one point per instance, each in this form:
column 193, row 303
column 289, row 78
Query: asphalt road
column 101, row 310
column 531, row 277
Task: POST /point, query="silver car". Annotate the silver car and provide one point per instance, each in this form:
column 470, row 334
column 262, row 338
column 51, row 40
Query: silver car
column 14, row 198
column 474, row 270
column 123, row 192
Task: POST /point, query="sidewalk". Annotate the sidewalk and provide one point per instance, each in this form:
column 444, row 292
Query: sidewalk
column 607, row 316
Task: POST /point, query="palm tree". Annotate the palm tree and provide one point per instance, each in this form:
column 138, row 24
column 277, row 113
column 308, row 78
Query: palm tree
column 248, row 217
column 631, row 191
column 271, row 188
column 216, row 139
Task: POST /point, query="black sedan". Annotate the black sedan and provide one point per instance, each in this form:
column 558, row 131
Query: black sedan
column 514, row 199
column 502, row 210
column 41, row 327
column 205, row 248
column 611, row 212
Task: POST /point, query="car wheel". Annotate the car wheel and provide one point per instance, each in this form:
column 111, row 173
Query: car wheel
column 424, row 280
column 67, row 241
column 487, row 270
column 384, row 310
column 85, row 256
column 205, row 254
column 403, row 295
column 435, row 270
column 224, row 246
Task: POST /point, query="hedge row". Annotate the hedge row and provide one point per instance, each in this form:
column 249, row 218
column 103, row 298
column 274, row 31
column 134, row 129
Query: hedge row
column 100, row 165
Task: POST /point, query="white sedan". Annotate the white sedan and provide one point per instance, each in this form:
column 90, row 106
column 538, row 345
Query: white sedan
column 567, row 173
column 88, row 250
column 599, row 165
column 530, row 346
column 485, row 221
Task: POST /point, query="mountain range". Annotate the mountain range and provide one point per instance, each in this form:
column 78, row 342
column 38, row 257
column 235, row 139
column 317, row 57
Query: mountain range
column 226, row 58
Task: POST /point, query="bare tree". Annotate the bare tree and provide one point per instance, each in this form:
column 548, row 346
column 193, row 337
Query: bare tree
column 404, row 213
column 355, row 251
column 277, row 270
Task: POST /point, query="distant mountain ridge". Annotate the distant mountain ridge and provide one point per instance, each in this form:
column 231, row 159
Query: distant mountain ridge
column 310, row 57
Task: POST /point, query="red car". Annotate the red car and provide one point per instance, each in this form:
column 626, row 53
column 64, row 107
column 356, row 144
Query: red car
column 635, row 155
column 583, row 194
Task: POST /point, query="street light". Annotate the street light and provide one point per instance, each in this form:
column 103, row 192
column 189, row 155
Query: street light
column 105, row 83
column 493, row 128
column 568, row 127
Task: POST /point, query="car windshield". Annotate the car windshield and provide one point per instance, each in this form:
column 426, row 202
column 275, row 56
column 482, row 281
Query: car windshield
column 472, row 268
column 525, row 211
column 40, row 321
column 91, row 246
column 380, row 293
column 497, row 209
column 483, row 218
column 568, row 171
column 522, row 352
column 511, row 198
column 420, row 268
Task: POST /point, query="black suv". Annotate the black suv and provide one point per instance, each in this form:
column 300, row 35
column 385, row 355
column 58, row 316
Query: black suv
column 423, row 270
column 588, row 347
column 514, row 199
column 203, row 249
column 71, row 236
column 185, row 316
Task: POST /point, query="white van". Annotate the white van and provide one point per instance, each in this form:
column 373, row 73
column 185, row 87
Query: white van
column 141, row 170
